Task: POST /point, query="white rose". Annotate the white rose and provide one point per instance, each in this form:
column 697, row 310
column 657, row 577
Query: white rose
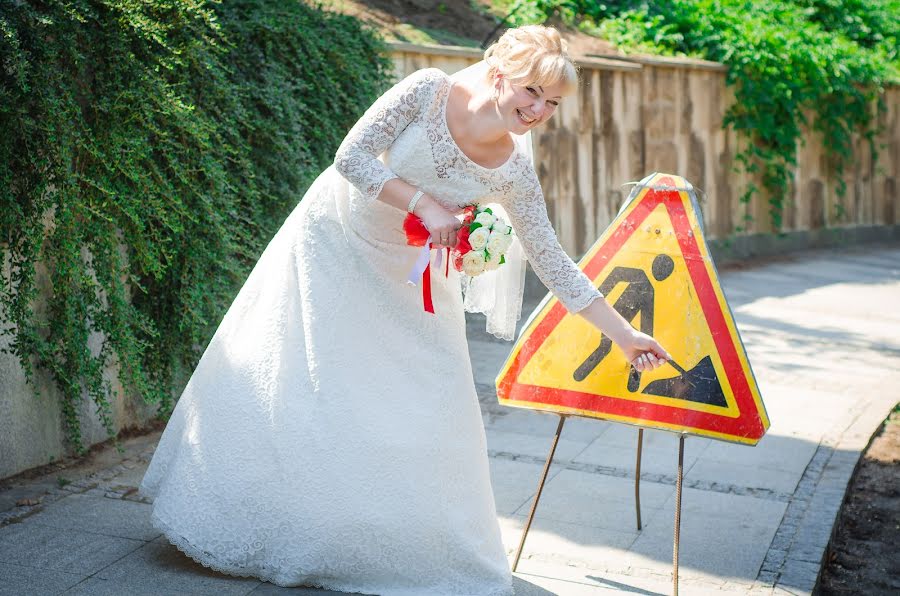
column 500, row 227
column 493, row 262
column 485, row 219
column 473, row 262
column 479, row 238
column 498, row 243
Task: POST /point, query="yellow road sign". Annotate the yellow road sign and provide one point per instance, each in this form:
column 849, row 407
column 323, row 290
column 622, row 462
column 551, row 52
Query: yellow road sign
column 653, row 266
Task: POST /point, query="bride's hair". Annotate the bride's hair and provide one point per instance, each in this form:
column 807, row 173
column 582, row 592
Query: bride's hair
column 532, row 55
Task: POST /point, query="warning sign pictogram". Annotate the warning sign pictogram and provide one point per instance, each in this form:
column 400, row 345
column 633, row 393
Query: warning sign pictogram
column 653, row 266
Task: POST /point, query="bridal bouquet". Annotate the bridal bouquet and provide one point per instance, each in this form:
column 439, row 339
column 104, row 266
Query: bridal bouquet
column 481, row 242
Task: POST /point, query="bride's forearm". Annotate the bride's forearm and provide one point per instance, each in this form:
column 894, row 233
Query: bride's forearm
column 397, row 193
column 605, row 318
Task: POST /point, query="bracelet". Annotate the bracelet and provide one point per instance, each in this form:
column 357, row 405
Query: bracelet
column 415, row 199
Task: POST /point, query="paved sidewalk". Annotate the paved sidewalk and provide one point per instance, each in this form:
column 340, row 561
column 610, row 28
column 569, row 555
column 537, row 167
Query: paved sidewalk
column 821, row 332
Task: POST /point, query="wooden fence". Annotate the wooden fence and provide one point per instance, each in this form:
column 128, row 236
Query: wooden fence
column 632, row 117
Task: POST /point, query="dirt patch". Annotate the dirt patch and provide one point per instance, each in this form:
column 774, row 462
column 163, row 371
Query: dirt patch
column 450, row 23
column 863, row 555
column 422, row 21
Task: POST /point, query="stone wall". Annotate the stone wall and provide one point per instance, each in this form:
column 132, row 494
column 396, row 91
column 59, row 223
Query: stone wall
column 633, row 117
column 31, row 418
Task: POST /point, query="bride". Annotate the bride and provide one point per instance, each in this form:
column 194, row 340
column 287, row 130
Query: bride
column 330, row 435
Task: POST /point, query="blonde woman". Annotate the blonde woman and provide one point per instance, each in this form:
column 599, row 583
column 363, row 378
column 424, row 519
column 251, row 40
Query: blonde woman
column 331, row 434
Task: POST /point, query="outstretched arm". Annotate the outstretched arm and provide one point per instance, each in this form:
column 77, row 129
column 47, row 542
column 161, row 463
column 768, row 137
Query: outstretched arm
column 528, row 216
column 640, row 349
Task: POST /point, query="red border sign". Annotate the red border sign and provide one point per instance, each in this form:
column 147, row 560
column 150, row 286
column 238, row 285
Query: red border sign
column 748, row 427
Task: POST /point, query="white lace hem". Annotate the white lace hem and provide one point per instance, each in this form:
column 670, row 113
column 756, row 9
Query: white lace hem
column 279, row 578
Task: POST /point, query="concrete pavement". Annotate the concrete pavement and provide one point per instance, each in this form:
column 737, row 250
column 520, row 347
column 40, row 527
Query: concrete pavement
column 821, row 332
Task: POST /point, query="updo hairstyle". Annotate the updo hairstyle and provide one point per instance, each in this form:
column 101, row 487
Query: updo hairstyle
column 532, row 55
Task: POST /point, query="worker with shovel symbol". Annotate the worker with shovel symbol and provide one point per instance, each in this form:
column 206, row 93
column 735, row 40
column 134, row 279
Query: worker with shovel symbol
column 637, row 299
column 699, row 384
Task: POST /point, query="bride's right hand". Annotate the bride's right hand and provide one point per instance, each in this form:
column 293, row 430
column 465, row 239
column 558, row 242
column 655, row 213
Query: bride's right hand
column 440, row 223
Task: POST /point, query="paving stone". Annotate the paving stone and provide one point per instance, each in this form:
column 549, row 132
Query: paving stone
column 543, row 424
column 798, row 576
column 525, row 444
column 748, row 476
column 11, row 496
column 723, row 535
column 131, row 477
column 487, row 358
column 159, row 565
column 626, row 436
column 72, row 551
column 782, row 541
column 267, row 589
column 515, row 483
column 567, row 543
column 810, row 542
column 596, row 500
column 100, row 515
column 585, row 429
column 95, row 586
column 808, row 551
column 520, row 420
column 18, row 580
column 654, row 460
column 100, row 587
column 772, row 452
column 526, row 587
column 540, row 578
column 774, row 560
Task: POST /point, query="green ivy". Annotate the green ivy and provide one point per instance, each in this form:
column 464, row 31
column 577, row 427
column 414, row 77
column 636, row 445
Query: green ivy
column 149, row 152
column 784, row 58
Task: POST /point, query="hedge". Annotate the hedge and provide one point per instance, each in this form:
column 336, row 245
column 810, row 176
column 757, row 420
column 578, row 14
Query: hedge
column 150, row 150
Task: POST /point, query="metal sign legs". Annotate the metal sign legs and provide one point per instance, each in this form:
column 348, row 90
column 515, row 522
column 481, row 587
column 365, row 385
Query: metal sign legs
column 637, row 497
column 537, row 497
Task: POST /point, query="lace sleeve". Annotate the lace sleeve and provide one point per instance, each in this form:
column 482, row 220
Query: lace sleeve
column 528, row 216
column 357, row 157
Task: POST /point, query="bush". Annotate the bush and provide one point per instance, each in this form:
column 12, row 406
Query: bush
column 150, row 151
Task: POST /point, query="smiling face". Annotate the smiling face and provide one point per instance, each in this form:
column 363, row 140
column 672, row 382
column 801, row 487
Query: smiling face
column 524, row 107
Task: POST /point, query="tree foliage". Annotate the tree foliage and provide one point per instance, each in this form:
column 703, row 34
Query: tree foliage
column 149, row 152
column 785, row 59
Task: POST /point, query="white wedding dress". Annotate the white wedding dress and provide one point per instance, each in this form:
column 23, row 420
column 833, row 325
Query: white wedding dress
column 331, row 435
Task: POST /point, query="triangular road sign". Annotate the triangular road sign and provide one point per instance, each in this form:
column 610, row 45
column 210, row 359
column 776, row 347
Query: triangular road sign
column 653, row 266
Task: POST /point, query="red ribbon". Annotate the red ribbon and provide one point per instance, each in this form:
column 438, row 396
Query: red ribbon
column 418, row 235
column 426, row 290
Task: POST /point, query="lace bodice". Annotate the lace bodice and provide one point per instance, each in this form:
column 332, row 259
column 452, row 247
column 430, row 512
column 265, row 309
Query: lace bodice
column 404, row 134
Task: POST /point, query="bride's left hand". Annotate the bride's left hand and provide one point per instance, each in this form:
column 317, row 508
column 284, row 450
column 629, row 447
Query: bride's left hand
column 644, row 352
